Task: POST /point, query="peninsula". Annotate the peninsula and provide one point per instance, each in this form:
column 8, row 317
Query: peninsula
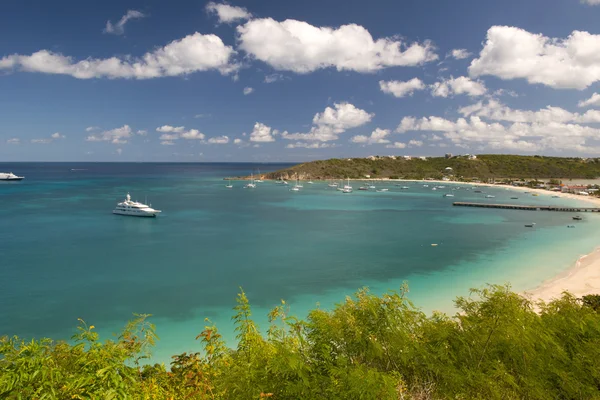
column 465, row 167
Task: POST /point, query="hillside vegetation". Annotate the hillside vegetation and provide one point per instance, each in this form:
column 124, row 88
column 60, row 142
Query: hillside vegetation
column 484, row 167
column 368, row 347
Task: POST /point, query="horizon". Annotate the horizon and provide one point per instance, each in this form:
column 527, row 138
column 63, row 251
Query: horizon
column 266, row 82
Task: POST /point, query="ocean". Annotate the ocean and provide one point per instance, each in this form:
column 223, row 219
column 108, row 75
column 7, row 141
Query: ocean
column 64, row 255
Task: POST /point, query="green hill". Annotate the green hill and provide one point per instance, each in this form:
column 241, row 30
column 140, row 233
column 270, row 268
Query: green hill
column 483, row 167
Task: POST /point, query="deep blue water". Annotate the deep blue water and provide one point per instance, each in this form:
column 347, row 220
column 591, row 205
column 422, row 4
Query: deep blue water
column 63, row 255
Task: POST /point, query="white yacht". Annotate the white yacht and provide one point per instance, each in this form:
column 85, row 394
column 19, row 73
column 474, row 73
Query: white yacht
column 10, row 177
column 259, row 180
column 135, row 209
column 347, row 185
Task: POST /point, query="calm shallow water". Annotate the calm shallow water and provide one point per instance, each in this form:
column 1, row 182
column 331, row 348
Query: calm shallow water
column 64, row 256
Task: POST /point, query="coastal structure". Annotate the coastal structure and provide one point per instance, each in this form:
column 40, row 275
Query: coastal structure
column 526, row 207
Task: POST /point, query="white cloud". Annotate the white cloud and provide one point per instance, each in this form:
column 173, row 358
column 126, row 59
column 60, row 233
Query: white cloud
column 192, row 134
column 396, row 145
column 401, row 89
column 460, row 85
column 593, row 101
column 378, row 136
column 591, row 2
column 302, row 48
column 494, row 110
column 219, row 140
column 92, row 128
column 460, row 54
column 119, row 27
column 169, row 136
column 511, row 53
column 313, row 145
column 13, row 141
column 115, row 136
column 520, row 136
column 193, row 53
column 248, row 90
column 201, row 115
column 167, row 143
column 52, row 138
column 261, row 133
column 332, row 122
column 227, row 13
column 169, row 128
column 142, row 132
column 273, row 78
column 415, row 143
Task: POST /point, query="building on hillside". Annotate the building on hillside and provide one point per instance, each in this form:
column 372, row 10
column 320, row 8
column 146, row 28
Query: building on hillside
column 471, row 156
column 372, row 158
column 574, row 189
column 448, row 169
column 392, row 157
column 448, row 155
column 407, row 157
column 423, row 158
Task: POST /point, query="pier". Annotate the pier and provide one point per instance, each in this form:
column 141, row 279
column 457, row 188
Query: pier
column 527, row 208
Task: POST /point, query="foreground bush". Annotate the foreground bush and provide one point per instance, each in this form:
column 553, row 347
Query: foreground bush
column 368, row 347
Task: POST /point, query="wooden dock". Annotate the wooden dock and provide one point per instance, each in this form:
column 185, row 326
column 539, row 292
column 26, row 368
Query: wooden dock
column 527, row 208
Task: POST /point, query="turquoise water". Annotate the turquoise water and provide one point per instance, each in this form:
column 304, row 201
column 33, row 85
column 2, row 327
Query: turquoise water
column 64, row 256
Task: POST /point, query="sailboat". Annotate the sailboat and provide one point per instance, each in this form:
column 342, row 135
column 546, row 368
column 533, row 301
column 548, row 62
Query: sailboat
column 347, row 188
column 258, row 180
column 310, row 182
column 251, row 185
column 229, row 185
column 333, row 184
column 298, row 185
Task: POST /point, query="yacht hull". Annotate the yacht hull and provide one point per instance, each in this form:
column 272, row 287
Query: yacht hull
column 20, row 178
column 142, row 215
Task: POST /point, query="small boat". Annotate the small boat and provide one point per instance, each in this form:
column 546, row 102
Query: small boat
column 489, row 196
column 258, row 180
column 229, row 185
column 134, row 209
column 425, row 185
column 535, row 194
column 570, row 226
column 530, row 225
column 309, row 182
column 477, row 191
column 555, row 197
column 526, row 192
column 404, row 187
column 346, row 190
column 10, row 177
column 448, row 195
column 347, row 186
column 434, row 244
column 382, row 190
column 434, row 189
column 514, row 198
column 333, row 184
column 294, row 189
column 578, row 218
column 251, row 184
column 363, row 188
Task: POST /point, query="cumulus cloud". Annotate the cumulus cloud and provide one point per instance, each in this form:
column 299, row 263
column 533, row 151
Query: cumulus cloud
column 460, row 85
column 227, row 13
column 13, row 141
column 460, row 54
column 313, row 145
column 302, row 48
column 248, row 90
column 535, row 135
column 494, row 110
column 415, row 143
column 593, row 101
column 114, row 136
column 169, row 128
column 511, row 53
column 219, row 140
column 167, row 143
column 333, row 121
column 192, row 134
column 591, row 2
column 142, row 132
column 396, row 145
column 401, row 89
column 57, row 135
column 261, row 133
column 119, row 27
column 378, row 136
column 92, row 128
column 193, row 53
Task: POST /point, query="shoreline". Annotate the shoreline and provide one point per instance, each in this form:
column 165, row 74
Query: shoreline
column 580, row 278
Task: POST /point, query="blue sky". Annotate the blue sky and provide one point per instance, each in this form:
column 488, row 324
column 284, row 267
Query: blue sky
column 276, row 80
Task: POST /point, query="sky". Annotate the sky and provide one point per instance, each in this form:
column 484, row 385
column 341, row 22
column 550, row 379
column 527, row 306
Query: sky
column 277, row 81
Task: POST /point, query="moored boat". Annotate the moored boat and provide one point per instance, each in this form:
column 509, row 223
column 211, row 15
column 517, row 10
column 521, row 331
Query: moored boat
column 9, row 176
column 134, row 209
